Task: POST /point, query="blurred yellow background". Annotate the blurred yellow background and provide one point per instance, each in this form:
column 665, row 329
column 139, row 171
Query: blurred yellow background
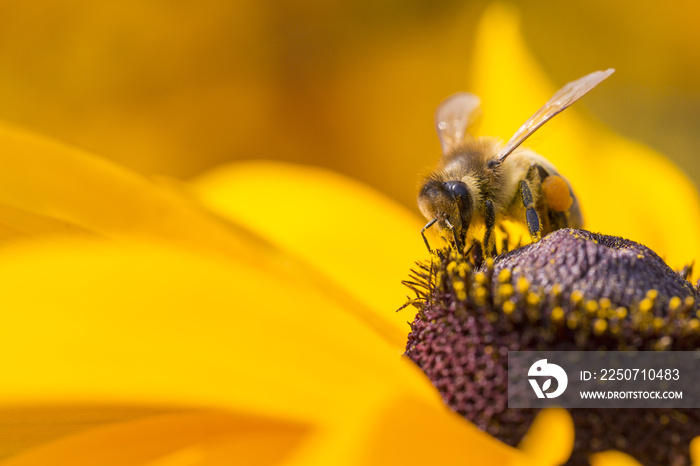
column 176, row 87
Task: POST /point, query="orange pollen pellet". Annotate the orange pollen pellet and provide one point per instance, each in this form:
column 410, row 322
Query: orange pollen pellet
column 556, row 193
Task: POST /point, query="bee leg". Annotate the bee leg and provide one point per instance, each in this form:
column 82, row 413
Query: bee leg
column 553, row 219
column 490, row 222
column 454, row 236
column 531, row 217
column 422, row 233
column 549, row 219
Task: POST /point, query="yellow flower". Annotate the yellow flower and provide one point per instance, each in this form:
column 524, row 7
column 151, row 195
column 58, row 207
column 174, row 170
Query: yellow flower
column 192, row 342
column 247, row 316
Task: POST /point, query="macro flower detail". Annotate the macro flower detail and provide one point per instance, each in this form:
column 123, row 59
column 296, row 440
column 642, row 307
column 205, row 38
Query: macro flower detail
column 232, row 318
column 573, row 290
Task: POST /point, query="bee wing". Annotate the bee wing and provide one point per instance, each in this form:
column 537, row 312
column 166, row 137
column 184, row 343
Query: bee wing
column 564, row 97
column 453, row 117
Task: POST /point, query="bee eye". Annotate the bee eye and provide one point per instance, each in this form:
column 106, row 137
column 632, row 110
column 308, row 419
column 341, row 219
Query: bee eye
column 430, row 190
column 457, row 189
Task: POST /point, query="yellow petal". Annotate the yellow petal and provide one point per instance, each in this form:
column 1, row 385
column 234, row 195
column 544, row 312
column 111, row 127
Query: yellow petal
column 165, row 326
column 22, row 427
column 625, row 189
column 49, row 188
column 152, row 326
column 369, row 436
column 347, row 231
column 695, row 451
column 16, row 223
column 199, row 438
column 62, row 184
column 440, row 437
column 613, row 458
column 550, row 439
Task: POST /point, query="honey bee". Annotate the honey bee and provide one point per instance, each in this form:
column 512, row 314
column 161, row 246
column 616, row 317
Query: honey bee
column 479, row 181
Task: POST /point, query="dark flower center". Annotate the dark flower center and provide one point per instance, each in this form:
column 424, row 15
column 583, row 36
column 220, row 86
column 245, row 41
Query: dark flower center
column 573, row 290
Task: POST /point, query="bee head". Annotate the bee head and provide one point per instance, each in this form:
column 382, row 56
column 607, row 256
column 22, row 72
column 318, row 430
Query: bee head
column 449, row 203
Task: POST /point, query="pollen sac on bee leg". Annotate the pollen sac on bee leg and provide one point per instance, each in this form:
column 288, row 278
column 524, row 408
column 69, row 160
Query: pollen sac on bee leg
column 556, row 193
column 573, row 290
